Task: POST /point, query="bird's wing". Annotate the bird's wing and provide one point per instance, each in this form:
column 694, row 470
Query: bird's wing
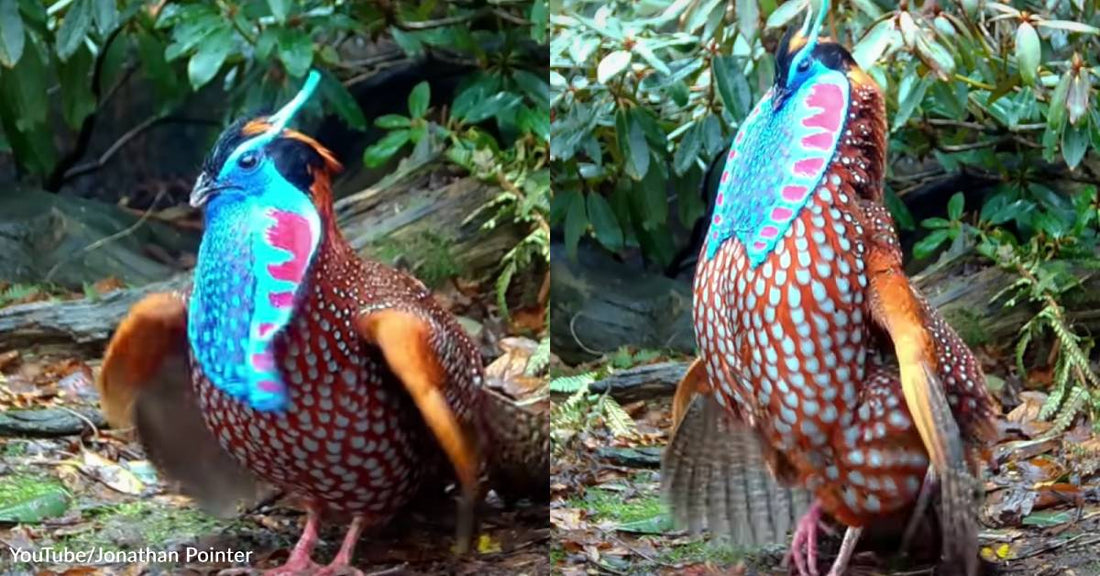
column 901, row 311
column 145, row 383
column 715, row 472
column 421, row 354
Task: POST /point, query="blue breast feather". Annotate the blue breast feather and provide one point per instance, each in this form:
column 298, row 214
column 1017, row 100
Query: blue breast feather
column 252, row 271
column 775, row 163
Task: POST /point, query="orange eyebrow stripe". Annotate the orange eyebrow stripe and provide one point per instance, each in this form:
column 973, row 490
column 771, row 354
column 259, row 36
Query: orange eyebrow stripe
column 258, row 126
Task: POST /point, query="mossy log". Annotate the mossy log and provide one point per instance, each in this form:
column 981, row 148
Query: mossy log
column 599, row 304
column 418, row 219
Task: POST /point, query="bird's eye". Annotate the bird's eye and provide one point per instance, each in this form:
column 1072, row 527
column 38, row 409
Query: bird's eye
column 249, row 160
column 804, row 65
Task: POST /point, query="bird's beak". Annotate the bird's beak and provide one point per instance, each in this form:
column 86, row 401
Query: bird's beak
column 779, row 98
column 205, row 187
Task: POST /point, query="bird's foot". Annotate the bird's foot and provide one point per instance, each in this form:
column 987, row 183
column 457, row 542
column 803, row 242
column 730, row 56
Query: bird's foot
column 341, row 565
column 803, row 553
column 840, row 565
column 300, row 562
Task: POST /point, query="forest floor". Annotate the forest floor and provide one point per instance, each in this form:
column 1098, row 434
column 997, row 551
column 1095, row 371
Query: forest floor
column 77, row 486
column 1041, row 515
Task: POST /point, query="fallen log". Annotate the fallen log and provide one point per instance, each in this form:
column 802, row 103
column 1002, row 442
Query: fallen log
column 49, row 422
column 418, row 219
column 642, row 382
column 599, row 304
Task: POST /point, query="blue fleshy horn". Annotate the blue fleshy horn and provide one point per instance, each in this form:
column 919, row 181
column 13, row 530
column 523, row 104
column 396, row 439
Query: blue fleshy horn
column 280, row 119
column 812, row 32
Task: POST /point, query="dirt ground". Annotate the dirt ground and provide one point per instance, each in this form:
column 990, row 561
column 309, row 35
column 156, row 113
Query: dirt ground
column 1040, row 517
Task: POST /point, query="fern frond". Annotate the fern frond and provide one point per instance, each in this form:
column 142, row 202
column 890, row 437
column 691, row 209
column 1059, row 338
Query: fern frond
column 572, row 384
column 540, row 359
column 1069, row 411
column 618, row 421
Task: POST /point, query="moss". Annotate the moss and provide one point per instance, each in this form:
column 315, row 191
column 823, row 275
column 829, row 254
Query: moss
column 14, row 448
column 610, row 505
column 133, row 525
column 700, row 551
column 969, row 326
column 427, row 255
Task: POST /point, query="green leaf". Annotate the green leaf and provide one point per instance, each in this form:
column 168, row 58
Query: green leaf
column 785, row 13
column 77, row 99
column 30, row 499
column 155, row 68
column 12, row 36
column 647, row 54
column 105, row 16
column 206, row 62
column 1075, row 142
column 1028, row 52
column 536, row 122
column 576, row 222
column 74, row 28
column 611, row 65
column 633, row 143
column 748, row 19
column 419, row 98
column 534, row 86
column 279, row 9
column 955, row 207
column 688, row 150
column 713, row 140
column 902, row 216
column 650, row 201
column 381, row 151
column 910, row 95
column 390, row 121
column 540, row 18
column 343, row 102
column 604, row 223
column 927, row 245
column 732, row 86
column 935, row 223
column 491, row 106
column 296, row 51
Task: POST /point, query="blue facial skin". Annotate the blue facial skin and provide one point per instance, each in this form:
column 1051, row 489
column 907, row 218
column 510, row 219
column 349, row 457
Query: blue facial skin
column 231, row 295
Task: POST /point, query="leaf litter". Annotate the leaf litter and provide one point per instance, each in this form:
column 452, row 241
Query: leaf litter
column 1040, row 515
column 67, row 482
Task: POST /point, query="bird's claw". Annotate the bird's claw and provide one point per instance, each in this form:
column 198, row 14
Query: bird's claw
column 803, row 552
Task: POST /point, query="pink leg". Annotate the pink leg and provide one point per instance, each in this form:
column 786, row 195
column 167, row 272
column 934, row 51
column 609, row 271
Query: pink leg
column 300, row 562
column 851, row 537
column 804, row 544
column 342, row 563
column 924, row 497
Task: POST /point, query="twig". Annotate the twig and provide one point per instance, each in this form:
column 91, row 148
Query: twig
column 103, row 241
column 56, row 178
column 125, row 139
column 440, row 22
column 85, row 419
column 103, row 158
column 573, row 332
column 970, row 146
column 399, row 569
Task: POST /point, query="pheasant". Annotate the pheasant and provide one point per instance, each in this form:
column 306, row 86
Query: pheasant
column 813, row 344
column 292, row 362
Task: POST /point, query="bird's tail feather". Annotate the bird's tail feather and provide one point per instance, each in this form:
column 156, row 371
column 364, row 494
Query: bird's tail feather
column 519, row 458
column 715, row 477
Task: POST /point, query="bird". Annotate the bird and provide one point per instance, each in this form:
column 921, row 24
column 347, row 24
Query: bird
column 290, row 363
column 827, row 365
